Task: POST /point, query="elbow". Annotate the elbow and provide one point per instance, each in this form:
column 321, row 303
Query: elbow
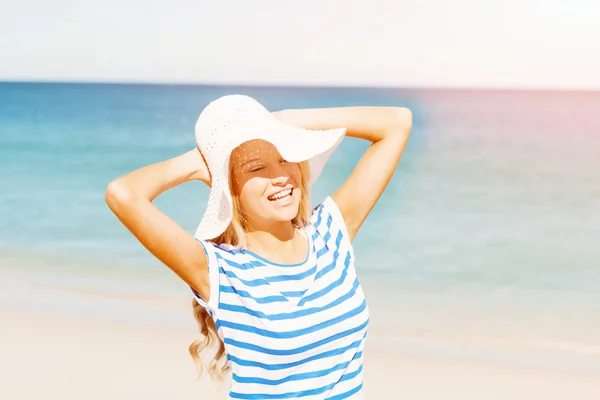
column 116, row 193
column 400, row 126
column 403, row 120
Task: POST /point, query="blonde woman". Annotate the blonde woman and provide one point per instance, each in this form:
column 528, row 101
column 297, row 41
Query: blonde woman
column 273, row 278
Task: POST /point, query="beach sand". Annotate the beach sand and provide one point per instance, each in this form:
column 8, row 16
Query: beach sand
column 72, row 357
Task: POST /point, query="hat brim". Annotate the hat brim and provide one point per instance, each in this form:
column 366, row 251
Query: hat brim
column 293, row 143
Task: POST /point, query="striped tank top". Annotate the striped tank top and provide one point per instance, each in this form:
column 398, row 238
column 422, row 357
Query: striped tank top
column 294, row 331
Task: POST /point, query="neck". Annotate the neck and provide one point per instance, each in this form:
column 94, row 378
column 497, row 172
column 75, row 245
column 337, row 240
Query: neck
column 274, row 238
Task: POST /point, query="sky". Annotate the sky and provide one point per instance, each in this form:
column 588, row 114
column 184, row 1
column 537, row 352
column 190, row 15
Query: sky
column 529, row 44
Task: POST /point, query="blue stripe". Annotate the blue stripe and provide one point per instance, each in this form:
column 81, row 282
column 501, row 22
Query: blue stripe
column 269, row 367
column 319, row 215
column 336, row 255
column 294, row 293
column 322, row 251
column 297, row 332
column 329, row 287
column 250, row 263
column 329, row 220
column 276, row 278
column 243, row 293
column 347, row 394
column 295, row 377
column 247, row 264
column 266, row 396
column 293, row 314
column 315, row 235
column 297, row 350
column 251, row 283
column 218, row 250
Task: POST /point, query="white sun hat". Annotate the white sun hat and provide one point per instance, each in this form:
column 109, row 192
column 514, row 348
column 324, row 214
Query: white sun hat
column 231, row 120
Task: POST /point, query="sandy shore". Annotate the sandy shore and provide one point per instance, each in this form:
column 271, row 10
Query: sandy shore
column 71, row 357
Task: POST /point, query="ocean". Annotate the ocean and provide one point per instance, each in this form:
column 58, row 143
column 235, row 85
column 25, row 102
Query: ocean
column 488, row 233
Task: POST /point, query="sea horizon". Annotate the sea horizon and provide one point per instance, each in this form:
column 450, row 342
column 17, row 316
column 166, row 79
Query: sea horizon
column 502, row 88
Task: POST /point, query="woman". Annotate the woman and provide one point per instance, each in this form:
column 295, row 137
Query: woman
column 273, row 279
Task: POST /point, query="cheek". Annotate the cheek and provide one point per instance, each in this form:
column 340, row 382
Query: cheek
column 252, row 191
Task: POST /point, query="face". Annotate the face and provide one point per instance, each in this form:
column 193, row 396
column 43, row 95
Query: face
column 268, row 187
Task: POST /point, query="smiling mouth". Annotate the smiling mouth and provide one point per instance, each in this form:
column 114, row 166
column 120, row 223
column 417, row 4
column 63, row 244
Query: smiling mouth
column 280, row 196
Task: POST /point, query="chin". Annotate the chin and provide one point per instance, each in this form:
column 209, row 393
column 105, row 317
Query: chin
column 285, row 213
column 289, row 214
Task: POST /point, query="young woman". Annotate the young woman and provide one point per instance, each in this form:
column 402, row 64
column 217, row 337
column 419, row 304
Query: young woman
column 273, row 278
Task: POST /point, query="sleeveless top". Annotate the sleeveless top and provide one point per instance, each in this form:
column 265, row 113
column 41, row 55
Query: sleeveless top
column 291, row 331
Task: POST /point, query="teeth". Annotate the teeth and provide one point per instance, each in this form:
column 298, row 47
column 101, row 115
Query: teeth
column 280, row 195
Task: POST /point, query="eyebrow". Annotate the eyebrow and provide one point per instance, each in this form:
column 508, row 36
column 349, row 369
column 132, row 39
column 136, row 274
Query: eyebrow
column 249, row 161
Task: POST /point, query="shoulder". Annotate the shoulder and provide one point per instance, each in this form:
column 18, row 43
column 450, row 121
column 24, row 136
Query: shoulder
column 214, row 246
column 328, row 222
column 220, row 257
column 328, row 213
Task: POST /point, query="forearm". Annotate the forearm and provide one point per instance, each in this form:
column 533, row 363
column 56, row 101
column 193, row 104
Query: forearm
column 152, row 180
column 364, row 122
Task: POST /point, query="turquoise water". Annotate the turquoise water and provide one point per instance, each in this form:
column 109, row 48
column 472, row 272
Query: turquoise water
column 496, row 202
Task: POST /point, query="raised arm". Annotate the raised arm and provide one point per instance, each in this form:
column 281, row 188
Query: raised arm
column 130, row 199
column 388, row 128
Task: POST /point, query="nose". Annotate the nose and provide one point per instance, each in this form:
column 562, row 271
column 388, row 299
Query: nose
column 280, row 180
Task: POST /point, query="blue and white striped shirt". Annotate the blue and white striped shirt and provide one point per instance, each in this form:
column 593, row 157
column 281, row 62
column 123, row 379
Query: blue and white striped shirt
column 294, row 331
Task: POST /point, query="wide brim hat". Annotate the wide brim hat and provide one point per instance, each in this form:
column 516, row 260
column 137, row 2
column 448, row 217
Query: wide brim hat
column 231, row 120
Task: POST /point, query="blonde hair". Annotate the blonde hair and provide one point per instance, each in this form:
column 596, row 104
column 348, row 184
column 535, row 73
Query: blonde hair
column 235, row 235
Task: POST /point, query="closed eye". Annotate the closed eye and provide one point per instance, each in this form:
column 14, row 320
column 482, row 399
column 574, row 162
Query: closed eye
column 255, row 169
